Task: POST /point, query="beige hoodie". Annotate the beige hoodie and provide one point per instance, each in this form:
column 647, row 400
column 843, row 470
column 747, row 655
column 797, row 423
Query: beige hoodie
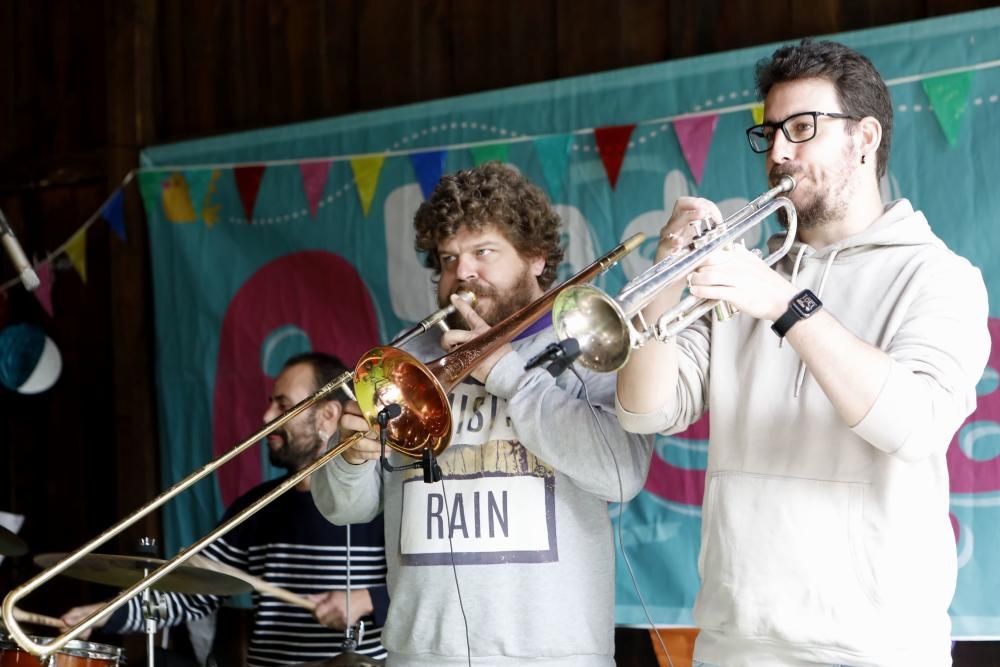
column 823, row 543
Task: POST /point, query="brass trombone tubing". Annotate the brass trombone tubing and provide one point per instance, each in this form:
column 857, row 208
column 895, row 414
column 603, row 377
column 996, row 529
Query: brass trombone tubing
column 57, row 643
column 451, row 368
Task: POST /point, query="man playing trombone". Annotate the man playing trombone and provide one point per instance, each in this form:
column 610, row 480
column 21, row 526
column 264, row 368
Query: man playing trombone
column 509, row 559
column 832, row 396
column 289, row 545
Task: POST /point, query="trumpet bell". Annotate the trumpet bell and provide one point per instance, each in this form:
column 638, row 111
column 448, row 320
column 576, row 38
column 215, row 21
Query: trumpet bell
column 598, row 324
column 387, row 375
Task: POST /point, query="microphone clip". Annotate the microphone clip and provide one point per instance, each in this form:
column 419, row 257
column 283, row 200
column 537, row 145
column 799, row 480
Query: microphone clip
column 556, row 357
column 428, row 462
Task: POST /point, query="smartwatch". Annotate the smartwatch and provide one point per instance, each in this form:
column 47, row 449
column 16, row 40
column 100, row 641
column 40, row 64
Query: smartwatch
column 802, row 305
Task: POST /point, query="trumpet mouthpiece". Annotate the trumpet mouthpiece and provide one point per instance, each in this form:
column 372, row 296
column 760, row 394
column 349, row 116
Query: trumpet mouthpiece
column 787, row 183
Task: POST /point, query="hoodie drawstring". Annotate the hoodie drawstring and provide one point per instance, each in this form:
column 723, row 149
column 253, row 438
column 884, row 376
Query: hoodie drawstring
column 822, row 284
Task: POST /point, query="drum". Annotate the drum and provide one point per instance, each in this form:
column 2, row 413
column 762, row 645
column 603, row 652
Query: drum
column 75, row 654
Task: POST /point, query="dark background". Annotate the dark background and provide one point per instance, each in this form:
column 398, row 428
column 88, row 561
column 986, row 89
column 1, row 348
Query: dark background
column 84, row 85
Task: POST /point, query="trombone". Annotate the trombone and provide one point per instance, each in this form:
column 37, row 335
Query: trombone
column 385, row 376
column 607, row 328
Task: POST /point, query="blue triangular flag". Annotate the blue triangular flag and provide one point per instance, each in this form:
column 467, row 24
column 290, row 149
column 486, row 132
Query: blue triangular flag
column 553, row 153
column 429, row 166
column 113, row 215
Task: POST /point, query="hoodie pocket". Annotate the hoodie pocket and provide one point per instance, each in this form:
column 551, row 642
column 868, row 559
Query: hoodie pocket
column 785, row 558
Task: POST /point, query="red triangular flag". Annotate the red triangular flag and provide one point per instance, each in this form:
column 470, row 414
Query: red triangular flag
column 314, row 182
column 612, row 142
column 44, row 290
column 248, row 183
column 695, row 137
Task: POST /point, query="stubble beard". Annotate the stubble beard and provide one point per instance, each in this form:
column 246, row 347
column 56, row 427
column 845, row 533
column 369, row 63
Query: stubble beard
column 823, row 207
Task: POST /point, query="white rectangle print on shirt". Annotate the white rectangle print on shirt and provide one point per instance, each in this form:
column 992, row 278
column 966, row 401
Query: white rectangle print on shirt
column 497, row 502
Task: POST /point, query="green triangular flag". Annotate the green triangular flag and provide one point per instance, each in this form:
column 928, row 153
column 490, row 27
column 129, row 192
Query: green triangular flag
column 151, row 189
column 949, row 95
column 481, row 154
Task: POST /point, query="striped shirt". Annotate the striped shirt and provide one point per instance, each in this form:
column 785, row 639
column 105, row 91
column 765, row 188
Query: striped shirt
column 289, row 544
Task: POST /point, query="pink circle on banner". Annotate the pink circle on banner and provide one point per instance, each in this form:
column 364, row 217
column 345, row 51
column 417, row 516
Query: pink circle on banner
column 969, row 475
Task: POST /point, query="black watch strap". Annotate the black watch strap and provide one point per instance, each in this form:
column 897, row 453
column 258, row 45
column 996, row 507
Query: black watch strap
column 802, row 306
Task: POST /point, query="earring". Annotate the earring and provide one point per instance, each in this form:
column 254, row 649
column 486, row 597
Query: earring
column 862, row 159
column 323, row 436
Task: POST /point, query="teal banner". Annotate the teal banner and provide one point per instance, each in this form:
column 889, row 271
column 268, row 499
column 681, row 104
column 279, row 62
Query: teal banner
column 277, row 241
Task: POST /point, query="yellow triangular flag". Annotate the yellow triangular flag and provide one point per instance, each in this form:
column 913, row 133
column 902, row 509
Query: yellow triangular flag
column 177, row 200
column 758, row 113
column 76, row 250
column 366, row 171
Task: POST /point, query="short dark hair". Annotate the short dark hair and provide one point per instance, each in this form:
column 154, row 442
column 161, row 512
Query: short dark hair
column 491, row 195
column 860, row 88
column 325, row 368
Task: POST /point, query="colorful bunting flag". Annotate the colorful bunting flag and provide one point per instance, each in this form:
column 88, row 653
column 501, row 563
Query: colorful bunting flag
column 949, row 95
column 314, row 176
column 612, row 141
column 76, row 250
column 695, row 137
column 489, row 153
column 248, row 180
column 199, row 181
column 210, row 210
column 553, row 153
column 44, row 290
column 366, row 171
column 428, row 166
column 151, row 185
column 113, row 215
column 757, row 111
column 177, row 204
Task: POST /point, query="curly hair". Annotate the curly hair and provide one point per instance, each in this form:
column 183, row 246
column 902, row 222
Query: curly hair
column 860, row 87
column 491, row 195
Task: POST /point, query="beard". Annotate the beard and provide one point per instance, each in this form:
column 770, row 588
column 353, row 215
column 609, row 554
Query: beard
column 500, row 305
column 297, row 450
column 825, row 204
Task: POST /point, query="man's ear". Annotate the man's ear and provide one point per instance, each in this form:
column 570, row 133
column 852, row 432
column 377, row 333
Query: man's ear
column 537, row 265
column 329, row 414
column 871, row 136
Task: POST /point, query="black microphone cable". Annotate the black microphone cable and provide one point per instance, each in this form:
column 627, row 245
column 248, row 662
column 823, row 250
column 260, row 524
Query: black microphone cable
column 621, row 510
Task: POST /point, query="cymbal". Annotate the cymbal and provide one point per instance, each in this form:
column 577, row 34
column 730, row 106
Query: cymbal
column 123, row 571
column 346, row 660
column 11, row 544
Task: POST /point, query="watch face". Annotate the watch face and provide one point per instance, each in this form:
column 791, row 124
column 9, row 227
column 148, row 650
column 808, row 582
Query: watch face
column 806, row 303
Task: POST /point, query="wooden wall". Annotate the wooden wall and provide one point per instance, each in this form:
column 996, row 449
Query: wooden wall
column 84, row 84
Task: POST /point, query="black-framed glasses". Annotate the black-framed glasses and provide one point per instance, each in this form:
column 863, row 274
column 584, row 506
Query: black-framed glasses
column 797, row 128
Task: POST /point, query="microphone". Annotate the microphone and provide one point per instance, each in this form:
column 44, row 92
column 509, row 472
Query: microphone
column 17, row 257
column 388, row 413
column 558, row 356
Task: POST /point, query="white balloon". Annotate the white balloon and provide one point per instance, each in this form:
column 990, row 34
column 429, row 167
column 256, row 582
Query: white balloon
column 46, row 371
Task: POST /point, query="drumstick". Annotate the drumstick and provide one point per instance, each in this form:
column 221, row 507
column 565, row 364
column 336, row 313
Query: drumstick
column 259, row 584
column 22, row 616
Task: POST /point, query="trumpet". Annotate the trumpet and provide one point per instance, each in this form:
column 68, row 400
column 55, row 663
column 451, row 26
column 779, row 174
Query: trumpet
column 607, row 328
column 384, row 376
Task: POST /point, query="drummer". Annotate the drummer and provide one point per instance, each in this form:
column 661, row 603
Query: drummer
column 290, row 545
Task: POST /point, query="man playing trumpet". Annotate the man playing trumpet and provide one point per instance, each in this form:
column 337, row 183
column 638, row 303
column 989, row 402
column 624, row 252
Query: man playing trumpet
column 832, row 397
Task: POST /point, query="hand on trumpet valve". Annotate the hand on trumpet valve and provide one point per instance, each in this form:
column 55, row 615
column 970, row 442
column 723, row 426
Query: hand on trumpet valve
column 743, row 280
column 455, row 337
column 681, row 228
column 366, row 448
